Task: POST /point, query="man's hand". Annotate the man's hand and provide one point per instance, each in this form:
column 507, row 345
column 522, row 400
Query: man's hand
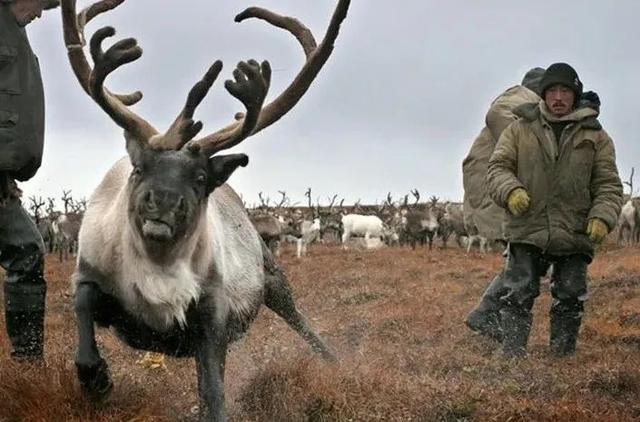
column 518, row 201
column 597, row 230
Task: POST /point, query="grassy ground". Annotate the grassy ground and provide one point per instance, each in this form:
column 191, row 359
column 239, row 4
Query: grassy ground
column 395, row 319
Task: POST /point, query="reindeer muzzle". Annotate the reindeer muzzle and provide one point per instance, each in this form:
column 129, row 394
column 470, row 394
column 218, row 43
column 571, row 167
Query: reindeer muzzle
column 157, row 230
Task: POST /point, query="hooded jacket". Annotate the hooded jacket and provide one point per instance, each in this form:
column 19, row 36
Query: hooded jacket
column 480, row 212
column 570, row 180
column 21, row 101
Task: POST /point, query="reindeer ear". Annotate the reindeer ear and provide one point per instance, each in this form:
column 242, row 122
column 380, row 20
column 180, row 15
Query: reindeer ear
column 222, row 166
column 135, row 147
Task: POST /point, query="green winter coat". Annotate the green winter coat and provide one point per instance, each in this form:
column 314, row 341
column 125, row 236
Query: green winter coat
column 569, row 181
column 21, row 101
column 481, row 214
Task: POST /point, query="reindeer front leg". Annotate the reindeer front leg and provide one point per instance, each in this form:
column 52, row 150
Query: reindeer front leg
column 92, row 370
column 211, row 353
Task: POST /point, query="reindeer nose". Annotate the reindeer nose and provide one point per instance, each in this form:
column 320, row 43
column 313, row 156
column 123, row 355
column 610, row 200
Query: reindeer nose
column 149, row 200
column 164, row 200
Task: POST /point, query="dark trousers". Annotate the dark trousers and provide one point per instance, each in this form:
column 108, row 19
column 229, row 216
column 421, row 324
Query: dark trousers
column 22, row 257
column 525, row 265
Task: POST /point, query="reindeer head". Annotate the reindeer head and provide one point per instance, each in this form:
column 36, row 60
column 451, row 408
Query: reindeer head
column 168, row 190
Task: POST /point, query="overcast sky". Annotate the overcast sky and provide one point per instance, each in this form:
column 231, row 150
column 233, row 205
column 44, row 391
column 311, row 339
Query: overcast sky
column 395, row 108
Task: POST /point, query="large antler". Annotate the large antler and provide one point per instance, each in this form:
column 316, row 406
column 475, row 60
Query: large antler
column 92, row 79
column 630, row 182
column 317, row 56
column 67, row 200
column 416, row 195
column 251, row 83
column 35, row 206
column 284, row 199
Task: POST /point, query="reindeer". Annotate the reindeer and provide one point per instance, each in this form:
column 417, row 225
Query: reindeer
column 367, row 226
column 168, row 256
column 43, row 223
column 286, row 216
column 392, row 218
column 271, row 223
column 452, row 223
column 66, row 228
column 270, row 230
column 420, row 225
column 331, row 228
column 629, row 220
column 309, row 233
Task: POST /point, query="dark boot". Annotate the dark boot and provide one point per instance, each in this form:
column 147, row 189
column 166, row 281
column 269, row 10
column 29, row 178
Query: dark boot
column 569, row 291
column 485, row 317
column 563, row 334
column 516, row 325
column 486, row 323
column 26, row 332
column 24, row 316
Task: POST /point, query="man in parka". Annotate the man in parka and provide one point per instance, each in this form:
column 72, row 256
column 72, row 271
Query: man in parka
column 21, row 142
column 554, row 171
column 481, row 214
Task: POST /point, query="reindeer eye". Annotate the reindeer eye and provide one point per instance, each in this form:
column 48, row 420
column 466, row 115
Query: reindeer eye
column 201, row 179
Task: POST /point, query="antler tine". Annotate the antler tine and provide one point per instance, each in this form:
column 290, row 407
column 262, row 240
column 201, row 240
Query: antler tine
column 33, row 201
column 75, row 41
column 332, row 200
column 293, row 25
column 184, row 129
column 88, row 13
column 92, row 80
column 122, row 52
column 251, row 85
column 416, row 195
column 283, row 200
column 237, row 131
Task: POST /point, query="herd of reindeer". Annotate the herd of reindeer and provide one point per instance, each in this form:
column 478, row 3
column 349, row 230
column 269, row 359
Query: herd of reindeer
column 403, row 222
column 394, row 223
column 59, row 230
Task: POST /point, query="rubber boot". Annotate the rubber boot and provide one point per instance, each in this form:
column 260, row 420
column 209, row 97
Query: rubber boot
column 26, row 332
column 484, row 319
column 563, row 334
column 24, row 316
column 486, row 323
column 516, row 325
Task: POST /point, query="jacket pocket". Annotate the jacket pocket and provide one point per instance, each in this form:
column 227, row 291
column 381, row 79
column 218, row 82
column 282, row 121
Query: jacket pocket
column 9, row 72
column 8, row 119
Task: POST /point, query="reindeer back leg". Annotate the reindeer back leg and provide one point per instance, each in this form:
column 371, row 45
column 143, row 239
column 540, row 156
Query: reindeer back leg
column 279, row 298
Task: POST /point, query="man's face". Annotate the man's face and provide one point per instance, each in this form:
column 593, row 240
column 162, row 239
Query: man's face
column 559, row 99
column 26, row 11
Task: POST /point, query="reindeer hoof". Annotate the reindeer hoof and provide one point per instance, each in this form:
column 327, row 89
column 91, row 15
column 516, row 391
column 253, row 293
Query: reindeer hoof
column 329, row 357
column 95, row 380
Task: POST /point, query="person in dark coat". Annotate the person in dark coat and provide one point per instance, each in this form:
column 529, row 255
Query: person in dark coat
column 554, row 171
column 21, row 143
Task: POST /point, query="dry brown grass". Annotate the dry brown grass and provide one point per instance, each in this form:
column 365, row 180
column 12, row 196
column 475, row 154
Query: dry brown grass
column 395, row 319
